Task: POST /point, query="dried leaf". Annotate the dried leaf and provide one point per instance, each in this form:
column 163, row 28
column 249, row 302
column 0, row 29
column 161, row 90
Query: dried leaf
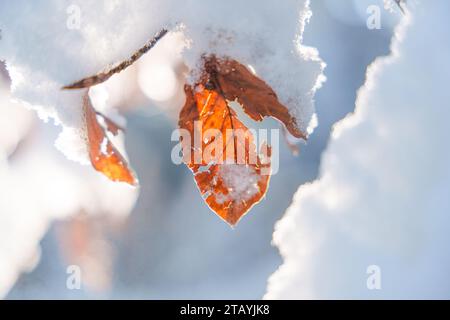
column 257, row 98
column 111, row 126
column 231, row 182
column 231, row 179
column 103, row 155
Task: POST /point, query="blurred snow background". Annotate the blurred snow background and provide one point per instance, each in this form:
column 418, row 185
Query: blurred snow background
column 38, row 184
column 171, row 245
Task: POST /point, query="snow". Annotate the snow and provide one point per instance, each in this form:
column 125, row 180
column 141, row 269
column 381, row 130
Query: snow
column 382, row 196
column 49, row 44
column 14, row 127
column 37, row 187
column 184, row 265
column 241, row 182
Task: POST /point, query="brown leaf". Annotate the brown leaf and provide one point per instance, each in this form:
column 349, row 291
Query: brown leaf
column 230, row 181
column 103, row 155
column 257, row 98
column 232, row 178
column 111, row 126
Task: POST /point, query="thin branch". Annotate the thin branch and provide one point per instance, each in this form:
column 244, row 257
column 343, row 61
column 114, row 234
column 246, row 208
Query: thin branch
column 104, row 75
column 400, row 4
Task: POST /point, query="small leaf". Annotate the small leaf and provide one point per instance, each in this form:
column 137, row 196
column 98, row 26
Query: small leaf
column 111, row 126
column 257, row 98
column 230, row 182
column 103, row 155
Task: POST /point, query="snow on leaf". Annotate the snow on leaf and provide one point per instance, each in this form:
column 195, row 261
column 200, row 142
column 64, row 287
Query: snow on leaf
column 104, row 157
column 230, row 174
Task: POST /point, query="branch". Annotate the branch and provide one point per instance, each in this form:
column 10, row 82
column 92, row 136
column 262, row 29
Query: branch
column 104, row 75
column 400, row 4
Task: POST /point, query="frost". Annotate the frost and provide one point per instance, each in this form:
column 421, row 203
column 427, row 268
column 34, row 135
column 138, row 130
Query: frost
column 382, row 197
column 46, row 45
column 241, row 181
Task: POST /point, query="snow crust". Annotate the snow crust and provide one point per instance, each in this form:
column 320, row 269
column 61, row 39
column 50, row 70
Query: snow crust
column 52, row 43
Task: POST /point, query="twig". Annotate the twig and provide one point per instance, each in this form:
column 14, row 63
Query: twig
column 104, row 75
column 400, row 5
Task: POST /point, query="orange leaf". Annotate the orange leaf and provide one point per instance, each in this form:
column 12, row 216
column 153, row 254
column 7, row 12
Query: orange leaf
column 111, row 126
column 103, row 155
column 231, row 177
